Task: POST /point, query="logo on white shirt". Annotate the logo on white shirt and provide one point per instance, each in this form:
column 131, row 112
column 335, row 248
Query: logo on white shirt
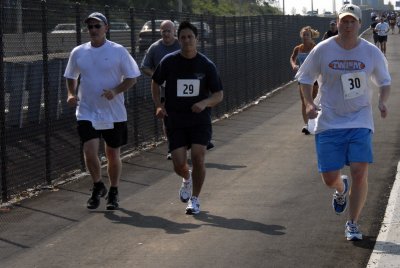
column 347, row 65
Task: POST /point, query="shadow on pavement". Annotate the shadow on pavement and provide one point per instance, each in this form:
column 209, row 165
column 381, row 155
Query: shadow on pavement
column 240, row 224
column 139, row 220
column 224, row 166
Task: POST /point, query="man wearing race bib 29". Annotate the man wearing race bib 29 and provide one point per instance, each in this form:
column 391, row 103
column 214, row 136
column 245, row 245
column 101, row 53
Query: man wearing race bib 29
column 344, row 123
column 192, row 87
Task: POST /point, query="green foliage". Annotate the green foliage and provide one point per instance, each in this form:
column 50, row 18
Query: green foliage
column 214, row 7
column 233, row 7
column 210, row 7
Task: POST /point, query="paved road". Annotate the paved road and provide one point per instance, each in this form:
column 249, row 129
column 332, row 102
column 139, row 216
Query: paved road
column 263, row 203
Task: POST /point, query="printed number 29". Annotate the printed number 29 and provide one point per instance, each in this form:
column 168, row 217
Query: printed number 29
column 354, row 83
column 188, row 90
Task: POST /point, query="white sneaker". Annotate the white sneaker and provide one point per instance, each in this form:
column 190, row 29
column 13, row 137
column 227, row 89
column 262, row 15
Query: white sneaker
column 193, row 206
column 185, row 192
column 352, row 231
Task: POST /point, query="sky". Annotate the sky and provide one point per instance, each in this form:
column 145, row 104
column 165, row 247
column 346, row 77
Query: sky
column 321, row 5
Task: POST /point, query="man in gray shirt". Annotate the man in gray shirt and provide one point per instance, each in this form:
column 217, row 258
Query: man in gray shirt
column 167, row 44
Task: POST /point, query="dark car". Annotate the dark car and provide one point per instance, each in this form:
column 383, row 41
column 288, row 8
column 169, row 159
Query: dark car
column 206, row 33
column 146, row 36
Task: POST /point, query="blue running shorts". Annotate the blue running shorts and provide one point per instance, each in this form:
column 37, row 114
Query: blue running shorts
column 338, row 147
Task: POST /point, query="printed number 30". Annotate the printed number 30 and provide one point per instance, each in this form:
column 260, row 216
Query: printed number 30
column 354, row 83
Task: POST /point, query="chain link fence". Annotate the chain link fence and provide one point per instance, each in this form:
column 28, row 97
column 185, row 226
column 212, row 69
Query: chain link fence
column 38, row 137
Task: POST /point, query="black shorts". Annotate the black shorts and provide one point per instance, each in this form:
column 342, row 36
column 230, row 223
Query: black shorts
column 114, row 138
column 315, row 83
column 382, row 39
column 185, row 137
column 376, row 38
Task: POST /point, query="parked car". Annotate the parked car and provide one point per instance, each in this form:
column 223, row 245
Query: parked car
column 206, row 34
column 146, row 34
column 64, row 28
column 119, row 26
column 115, row 26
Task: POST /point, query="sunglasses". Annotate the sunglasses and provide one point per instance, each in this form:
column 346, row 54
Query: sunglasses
column 97, row 26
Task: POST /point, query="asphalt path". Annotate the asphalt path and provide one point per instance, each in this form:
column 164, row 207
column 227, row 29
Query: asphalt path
column 263, row 202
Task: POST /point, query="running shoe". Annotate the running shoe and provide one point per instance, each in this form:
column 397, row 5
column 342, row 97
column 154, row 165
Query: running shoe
column 305, row 130
column 112, row 199
column 193, row 206
column 99, row 190
column 169, row 156
column 185, row 192
column 352, row 232
column 339, row 201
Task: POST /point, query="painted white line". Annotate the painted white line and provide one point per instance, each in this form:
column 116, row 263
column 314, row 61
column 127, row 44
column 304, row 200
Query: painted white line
column 386, row 252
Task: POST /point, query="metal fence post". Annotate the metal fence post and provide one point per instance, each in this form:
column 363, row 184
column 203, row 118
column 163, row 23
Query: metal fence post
column 132, row 25
column 153, row 39
column 252, row 57
column 172, row 15
column 46, row 91
column 202, row 30
column 107, row 14
column 244, row 40
column 260, row 57
column 78, row 23
column 225, row 60
column 134, row 93
column 78, row 42
column 236, row 64
column 153, row 25
column 3, row 141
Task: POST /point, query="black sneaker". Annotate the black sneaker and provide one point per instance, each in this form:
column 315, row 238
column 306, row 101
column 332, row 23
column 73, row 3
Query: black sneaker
column 210, row 145
column 112, row 199
column 339, row 201
column 99, row 190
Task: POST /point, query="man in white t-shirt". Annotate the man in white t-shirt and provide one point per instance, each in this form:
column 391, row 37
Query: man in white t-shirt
column 106, row 71
column 344, row 123
column 382, row 29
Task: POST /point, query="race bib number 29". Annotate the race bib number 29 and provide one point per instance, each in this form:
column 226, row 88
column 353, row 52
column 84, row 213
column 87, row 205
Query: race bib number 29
column 354, row 84
column 188, row 87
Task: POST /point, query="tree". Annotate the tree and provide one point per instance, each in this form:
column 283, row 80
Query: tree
column 215, row 7
column 390, row 5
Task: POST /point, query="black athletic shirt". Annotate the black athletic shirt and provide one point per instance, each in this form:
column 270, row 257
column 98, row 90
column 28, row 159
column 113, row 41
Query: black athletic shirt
column 197, row 79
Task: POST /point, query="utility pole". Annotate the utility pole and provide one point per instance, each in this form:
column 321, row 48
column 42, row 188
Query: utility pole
column 312, row 8
column 333, row 6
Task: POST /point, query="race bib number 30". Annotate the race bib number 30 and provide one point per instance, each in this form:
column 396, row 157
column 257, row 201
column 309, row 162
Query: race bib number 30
column 354, row 84
column 188, row 87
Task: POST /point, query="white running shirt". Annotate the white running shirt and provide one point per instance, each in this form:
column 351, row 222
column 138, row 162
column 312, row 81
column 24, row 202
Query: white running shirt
column 344, row 78
column 100, row 68
column 382, row 28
